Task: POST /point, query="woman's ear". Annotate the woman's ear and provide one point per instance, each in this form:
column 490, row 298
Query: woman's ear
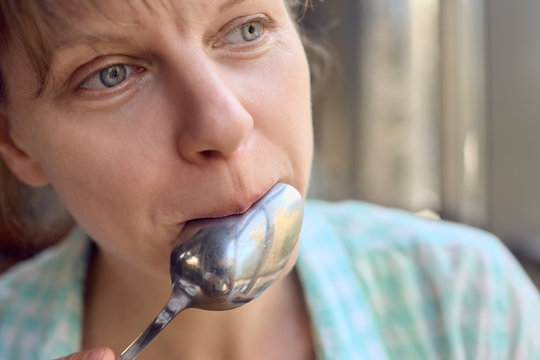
column 23, row 166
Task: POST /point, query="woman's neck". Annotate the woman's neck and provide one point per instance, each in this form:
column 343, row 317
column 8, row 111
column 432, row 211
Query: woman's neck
column 118, row 307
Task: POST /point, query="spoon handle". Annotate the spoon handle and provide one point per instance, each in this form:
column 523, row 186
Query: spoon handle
column 177, row 302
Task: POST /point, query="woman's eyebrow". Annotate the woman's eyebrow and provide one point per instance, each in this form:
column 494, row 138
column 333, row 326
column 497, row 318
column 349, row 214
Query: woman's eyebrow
column 229, row 4
column 90, row 38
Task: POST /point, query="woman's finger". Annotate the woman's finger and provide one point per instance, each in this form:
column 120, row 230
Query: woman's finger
column 93, row 354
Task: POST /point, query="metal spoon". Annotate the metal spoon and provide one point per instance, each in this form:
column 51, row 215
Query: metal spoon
column 223, row 263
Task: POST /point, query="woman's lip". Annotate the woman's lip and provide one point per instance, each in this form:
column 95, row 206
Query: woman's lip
column 220, row 213
column 228, row 211
column 235, row 209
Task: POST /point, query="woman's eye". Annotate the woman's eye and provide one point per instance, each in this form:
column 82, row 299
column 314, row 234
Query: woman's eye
column 246, row 32
column 108, row 77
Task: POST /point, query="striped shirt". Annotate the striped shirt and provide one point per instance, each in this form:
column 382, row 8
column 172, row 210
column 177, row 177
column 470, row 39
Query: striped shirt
column 379, row 283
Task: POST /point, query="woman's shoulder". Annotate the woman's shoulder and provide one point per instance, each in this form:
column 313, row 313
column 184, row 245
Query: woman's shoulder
column 395, row 245
column 41, row 299
column 415, row 283
column 363, row 226
column 54, row 259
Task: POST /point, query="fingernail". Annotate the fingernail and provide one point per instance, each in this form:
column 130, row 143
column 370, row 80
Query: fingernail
column 96, row 354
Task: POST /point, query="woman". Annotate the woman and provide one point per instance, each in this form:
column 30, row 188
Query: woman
column 146, row 115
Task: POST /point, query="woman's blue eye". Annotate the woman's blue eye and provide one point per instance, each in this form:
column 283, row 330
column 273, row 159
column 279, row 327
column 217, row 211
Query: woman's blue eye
column 246, row 32
column 251, row 31
column 108, row 77
column 113, row 75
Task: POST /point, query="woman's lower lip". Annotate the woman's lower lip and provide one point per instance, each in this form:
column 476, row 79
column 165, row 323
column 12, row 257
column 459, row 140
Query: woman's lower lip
column 235, row 210
column 226, row 212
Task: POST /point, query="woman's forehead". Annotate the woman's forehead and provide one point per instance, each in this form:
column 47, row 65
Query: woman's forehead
column 76, row 10
column 90, row 18
column 51, row 23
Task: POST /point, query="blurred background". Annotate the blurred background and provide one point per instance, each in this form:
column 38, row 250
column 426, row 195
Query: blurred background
column 434, row 104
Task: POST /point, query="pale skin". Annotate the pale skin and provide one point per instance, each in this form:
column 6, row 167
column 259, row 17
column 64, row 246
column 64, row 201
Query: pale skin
column 204, row 107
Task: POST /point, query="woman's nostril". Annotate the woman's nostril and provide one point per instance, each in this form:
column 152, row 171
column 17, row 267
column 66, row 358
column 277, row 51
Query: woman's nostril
column 209, row 154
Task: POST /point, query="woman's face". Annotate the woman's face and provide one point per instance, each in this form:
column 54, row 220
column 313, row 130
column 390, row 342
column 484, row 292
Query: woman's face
column 156, row 116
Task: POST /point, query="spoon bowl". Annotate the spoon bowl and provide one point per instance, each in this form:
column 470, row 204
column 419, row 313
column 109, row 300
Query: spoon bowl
column 223, row 263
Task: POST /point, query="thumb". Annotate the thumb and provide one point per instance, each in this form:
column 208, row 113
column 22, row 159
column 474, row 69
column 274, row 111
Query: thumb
column 93, row 354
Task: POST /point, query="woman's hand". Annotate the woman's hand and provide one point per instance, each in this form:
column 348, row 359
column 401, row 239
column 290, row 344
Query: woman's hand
column 93, row 354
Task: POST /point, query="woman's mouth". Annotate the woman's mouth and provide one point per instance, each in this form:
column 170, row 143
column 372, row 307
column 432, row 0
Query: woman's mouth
column 238, row 207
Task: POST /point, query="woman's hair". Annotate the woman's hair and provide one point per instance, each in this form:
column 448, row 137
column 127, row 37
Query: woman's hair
column 33, row 218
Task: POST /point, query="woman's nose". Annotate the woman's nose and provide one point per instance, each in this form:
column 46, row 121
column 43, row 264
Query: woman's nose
column 214, row 121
